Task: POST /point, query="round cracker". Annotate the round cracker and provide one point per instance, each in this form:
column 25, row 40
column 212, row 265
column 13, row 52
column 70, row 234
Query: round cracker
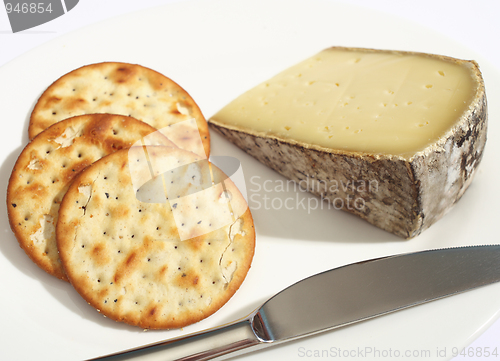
column 126, row 257
column 47, row 165
column 126, row 89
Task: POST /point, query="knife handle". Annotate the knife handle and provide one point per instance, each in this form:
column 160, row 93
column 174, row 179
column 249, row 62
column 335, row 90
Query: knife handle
column 204, row 345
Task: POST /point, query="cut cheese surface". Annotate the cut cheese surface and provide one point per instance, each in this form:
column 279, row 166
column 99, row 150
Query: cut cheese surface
column 359, row 100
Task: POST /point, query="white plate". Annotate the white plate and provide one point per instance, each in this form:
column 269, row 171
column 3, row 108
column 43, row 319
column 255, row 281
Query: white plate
column 216, row 50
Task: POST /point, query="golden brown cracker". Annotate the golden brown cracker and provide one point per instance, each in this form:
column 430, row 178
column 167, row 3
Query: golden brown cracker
column 126, row 89
column 127, row 258
column 48, row 164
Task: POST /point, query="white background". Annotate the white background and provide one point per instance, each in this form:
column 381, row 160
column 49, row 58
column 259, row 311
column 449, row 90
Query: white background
column 473, row 23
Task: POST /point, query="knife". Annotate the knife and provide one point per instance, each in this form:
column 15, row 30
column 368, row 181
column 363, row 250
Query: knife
column 335, row 298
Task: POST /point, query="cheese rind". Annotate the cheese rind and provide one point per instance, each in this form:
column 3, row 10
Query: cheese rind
column 416, row 185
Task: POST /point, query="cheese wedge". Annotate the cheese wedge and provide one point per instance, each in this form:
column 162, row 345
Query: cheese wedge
column 406, row 130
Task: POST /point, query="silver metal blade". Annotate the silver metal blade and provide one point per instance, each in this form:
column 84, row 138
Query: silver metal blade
column 372, row 288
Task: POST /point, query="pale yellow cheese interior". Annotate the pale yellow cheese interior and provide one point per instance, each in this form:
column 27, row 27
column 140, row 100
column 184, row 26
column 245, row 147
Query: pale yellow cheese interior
column 363, row 101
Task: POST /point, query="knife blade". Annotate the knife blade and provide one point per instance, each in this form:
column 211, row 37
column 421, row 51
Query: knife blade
column 333, row 299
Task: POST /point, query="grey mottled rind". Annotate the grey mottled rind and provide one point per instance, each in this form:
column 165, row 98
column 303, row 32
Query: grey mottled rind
column 401, row 196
